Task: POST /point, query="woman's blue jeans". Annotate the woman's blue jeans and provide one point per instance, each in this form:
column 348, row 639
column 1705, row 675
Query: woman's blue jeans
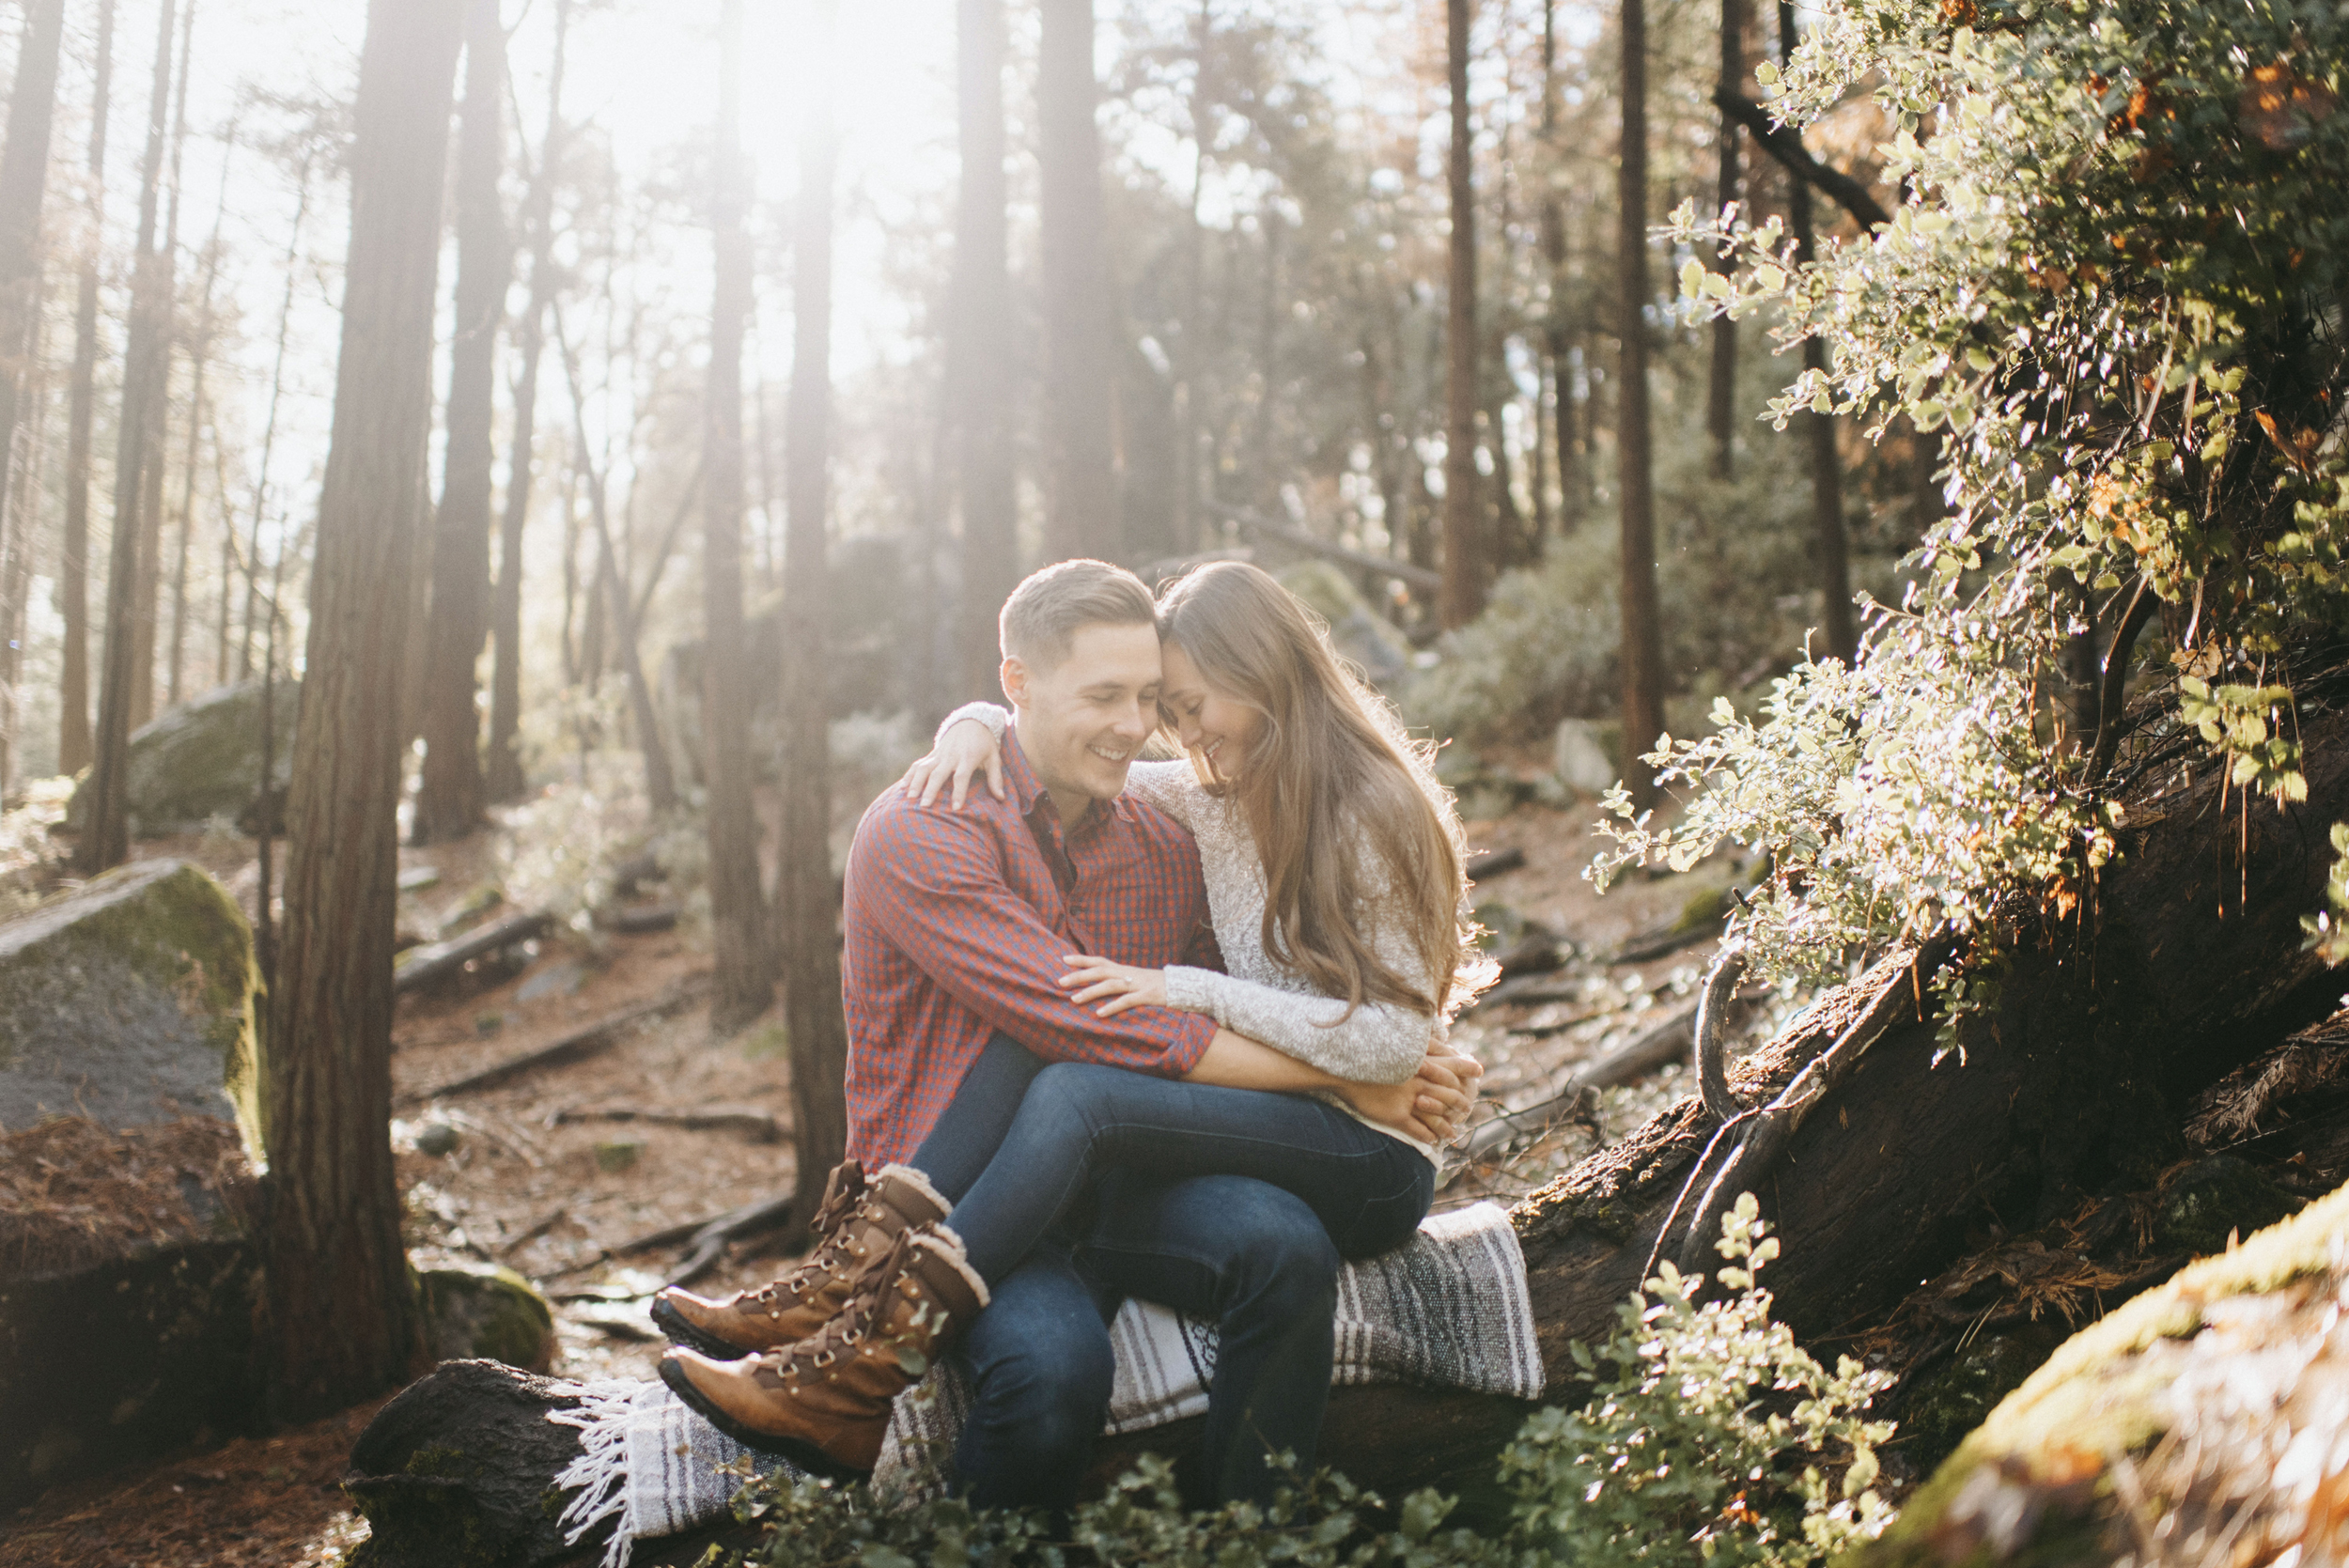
column 1075, row 1186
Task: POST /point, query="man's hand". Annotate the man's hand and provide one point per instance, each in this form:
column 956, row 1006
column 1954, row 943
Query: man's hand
column 1122, row 983
column 965, row 747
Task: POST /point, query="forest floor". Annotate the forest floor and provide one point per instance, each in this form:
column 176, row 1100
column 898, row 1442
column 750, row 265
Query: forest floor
column 537, row 1174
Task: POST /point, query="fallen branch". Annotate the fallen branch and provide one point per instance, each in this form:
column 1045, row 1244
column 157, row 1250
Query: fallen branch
column 639, row 920
column 709, row 1242
column 1493, row 863
column 422, row 966
column 760, row 1127
column 1650, row 1049
column 1659, row 944
column 1418, row 579
column 574, row 1047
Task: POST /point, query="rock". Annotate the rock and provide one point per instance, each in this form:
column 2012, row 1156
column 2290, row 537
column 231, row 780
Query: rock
column 491, row 1314
column 202, row 760
column 616, row 1157
column 1956, row 1397
column 438, row 1140
column 556, row 980
column 130, row 1001
column 1360, row 632
column 2203, row 1204
column 1583, row 759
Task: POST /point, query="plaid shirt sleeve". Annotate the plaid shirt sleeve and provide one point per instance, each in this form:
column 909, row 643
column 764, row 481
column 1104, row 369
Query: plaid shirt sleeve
column 934, row 886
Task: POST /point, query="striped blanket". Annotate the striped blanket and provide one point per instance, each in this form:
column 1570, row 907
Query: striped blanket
column 1450, row 1309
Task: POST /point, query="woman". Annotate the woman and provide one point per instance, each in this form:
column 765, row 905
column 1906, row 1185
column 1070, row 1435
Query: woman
column 1333, row 866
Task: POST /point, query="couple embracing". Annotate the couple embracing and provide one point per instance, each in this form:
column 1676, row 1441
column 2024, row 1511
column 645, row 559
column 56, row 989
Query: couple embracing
column 1165, row 1029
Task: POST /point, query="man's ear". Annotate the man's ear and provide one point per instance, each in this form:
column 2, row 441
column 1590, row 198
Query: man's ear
column 1014, row 676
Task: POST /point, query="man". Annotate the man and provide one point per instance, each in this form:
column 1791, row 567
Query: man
column 957, row 925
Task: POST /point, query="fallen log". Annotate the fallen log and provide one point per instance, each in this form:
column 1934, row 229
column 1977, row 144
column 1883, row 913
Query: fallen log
column 2184, row 962
column 760, row 1127
column 434, row 961
column 575, row 1046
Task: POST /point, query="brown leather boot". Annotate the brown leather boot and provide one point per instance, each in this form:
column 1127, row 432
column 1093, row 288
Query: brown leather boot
column 823, row 1403
column 854, row 1225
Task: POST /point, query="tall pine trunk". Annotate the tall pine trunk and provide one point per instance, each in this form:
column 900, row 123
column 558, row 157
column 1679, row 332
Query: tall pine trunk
column 449, row 796
column 1079, row 371
column 505, row 769
column 24, row 179
column 73, row 728
column 199, row 354
column 146, row 621
column 1557, row 334
column 342, row 1317
column 105, row 834
column 1721, row 393
column 1467, row 554
column 1831, row 546
column 1643, row 641
column 16, row 564
column 807, row 903
column 980, row 359
column 744, row 959
column 269, row 431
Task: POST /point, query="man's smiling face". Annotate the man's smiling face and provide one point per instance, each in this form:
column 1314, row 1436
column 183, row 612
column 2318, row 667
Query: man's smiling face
column 1083, row 720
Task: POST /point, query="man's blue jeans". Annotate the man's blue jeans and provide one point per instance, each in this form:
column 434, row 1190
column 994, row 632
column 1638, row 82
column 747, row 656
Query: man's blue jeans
column 1075, row 1185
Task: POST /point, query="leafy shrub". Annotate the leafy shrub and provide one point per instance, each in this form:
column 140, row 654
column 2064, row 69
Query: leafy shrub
column 1682, row 1456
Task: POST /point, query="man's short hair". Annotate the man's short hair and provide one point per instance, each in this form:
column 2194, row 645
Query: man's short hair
column 1040, row 620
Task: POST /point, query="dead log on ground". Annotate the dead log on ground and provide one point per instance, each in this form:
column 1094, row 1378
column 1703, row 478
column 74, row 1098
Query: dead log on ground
column 760, row 1127
column 575, row 1046
column 422, row 966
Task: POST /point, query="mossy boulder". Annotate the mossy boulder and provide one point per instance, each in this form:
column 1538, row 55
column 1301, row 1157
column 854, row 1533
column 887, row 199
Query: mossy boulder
column 202, row 760
column 132, row 1000
column 487, row 1314
column 2212, row 1199
column 2190, row 1391
column 1951, row 1400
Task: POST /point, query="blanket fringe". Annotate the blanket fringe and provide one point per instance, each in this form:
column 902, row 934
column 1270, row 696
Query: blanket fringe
column 600, row 1471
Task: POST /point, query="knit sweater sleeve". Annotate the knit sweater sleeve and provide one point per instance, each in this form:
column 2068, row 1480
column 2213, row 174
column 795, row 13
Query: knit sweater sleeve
column 1377, row 1042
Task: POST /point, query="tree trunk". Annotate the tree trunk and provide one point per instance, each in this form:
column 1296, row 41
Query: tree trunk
column 449, row 796
column 147, row 623
column 807, row 903
column 199, row 354
column 24, row 179
column 504, row 780
column 1642, row 639
column 745, row 983
column 1467, row 550
column 980, row 357
column 269, row 434
column 612, row 595
column 1831, row 546
column 16, row 562
column 1557, row 339
column 1080, row 370
column 73, row 715
column 341, row 1311
column 106, row 837
column 1720, row 400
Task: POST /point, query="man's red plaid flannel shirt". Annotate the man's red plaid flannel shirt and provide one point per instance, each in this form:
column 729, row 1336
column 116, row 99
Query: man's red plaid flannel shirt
column 957, row 922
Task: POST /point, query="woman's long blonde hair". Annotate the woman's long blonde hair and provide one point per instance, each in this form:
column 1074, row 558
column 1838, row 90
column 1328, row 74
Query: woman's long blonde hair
column 1330, row 769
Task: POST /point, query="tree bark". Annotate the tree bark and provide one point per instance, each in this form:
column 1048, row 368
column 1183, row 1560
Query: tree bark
column 341, row 1314
column 807, row 908
column 1467, row 549
column 105, row 839
column 1642, row 638
column 24, row 179
column 73, row 725
column 449, row 795
column 980, row 356
column 16, row 564
column 1720, row 401
column 505, row 780
column 1079, row 369
column 1557, row 336
column 745, row 967
column 1831, row 546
